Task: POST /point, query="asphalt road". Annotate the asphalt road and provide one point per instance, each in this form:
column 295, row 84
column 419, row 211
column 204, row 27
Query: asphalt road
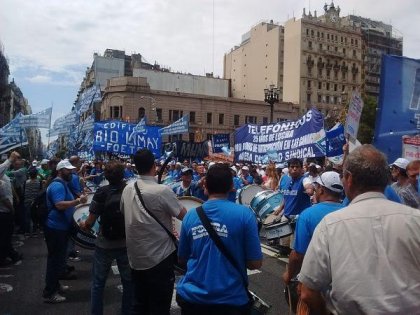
column 21, row 286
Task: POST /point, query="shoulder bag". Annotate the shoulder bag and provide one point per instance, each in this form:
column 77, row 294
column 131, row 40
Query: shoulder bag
column 177, row 267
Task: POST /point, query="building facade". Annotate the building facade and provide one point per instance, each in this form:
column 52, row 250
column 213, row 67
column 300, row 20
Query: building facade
column 378, row 39
column 131, row 98
column 257, row 62
column 322, row 61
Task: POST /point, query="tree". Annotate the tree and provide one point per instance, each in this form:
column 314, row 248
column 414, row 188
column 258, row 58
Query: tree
column 367, row 120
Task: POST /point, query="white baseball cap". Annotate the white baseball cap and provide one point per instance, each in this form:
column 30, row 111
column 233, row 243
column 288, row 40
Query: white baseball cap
column 233, row 168
column 64, row 164
column 330, row 180
column 245, row 168
column 401, row 163
column 44, row 161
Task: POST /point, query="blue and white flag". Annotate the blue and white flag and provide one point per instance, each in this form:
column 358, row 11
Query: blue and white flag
column 282, row 141
column 335, row 140
column 38, row 120
column 12, row 129
column 180, row 126
column 219, row 141
column 88, row 123
column 11, row 142
column 64, row 124
column 88, row 97
column 141, row 126
column 398, row 112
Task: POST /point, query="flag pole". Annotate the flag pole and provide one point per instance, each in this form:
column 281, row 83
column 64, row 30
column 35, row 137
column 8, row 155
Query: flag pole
column 49, row 130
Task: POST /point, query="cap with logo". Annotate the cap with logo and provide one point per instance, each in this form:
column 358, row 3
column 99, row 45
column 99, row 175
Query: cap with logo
column 330, row 180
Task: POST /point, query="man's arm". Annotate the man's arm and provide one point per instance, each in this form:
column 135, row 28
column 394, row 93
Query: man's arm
column 293, row 268
column 254, row 264
column 314, row 300
column 182, row 214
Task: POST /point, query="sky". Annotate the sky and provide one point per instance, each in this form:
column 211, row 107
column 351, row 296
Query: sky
column 50, row 43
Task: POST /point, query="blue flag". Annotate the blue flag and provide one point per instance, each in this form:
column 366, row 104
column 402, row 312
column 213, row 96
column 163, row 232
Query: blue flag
column 335, row 140
column 178, row 127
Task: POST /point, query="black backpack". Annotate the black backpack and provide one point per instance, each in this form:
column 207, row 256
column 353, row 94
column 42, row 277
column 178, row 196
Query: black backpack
column 111, row 218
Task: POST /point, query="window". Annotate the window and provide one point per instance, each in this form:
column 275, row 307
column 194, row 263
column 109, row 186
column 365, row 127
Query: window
column 328, row 86
column 317, row 34
column 319, row 98
column 308, row 98
column 335, row 87
column 351, row 41
column 175, row 114
column 309, row 84
column 357, row 42
column 328, row 36
column 265, row 120
column 307, row 31
column 192, row 117
column 141, row 112
column 236, row 120
column 328, row 73
column 343, row 87
column 354, row 53
column 310, row 45
column 319, row 85
column 116, row 111
column 322, row 35
column 250, row 119
column 344, row 51
column 221, row 119
column 327, row 99
column 158, row 114
column 209, row 136
column 209, row 118
column 312, row 32
column 320, row 46
column 191, row 136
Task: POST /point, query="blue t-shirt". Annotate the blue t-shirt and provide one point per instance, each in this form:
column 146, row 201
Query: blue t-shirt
column 210, row 277
column 250, row 180
column 74, row 185
column 295, row 198
column 180, row 191
column 58, row 219
column 307, row 222
column 237, row 184
column 128, row 173
column 97, row 179
column 199, row 193
column 389, row 193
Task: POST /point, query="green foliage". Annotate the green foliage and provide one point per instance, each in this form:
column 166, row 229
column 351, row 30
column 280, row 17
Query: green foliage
column 367, row 120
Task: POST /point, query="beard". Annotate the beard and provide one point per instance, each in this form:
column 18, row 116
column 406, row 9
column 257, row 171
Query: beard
column 66, row 177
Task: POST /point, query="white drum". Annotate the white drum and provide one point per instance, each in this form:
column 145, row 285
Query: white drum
column 248, row 193
column 188, row 202
column 81, row 237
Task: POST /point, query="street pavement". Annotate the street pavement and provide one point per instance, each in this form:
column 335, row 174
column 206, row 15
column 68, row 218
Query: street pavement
column 21, row 286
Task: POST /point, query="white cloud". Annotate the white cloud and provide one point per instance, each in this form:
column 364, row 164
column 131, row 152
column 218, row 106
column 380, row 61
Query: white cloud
column 39, row 79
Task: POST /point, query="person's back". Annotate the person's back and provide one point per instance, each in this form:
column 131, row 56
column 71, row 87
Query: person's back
column 212, row 284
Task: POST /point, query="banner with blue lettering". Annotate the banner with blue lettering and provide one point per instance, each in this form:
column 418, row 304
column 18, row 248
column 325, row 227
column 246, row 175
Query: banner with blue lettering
column 219, row 141
column 399, row 104
column 12, row 129
column 11, row 142
column 119, row 137
column 335, row 140
column 38, row 120
column 301, row 139
column 178, row 127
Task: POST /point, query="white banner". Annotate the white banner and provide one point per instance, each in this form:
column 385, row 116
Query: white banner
column 411, row 147
column 12, row 129
column 38, row 120
column 63, row 125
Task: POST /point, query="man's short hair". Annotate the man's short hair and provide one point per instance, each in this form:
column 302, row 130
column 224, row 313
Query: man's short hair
column 294, row 161
column 114, row 172
column 219, row 179
column 368, row 167
column 144, row 161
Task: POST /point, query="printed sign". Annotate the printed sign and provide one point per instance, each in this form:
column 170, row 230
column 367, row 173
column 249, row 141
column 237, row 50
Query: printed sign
column 220, row 141
column 301, row 139
column 353, row 115
column 118, row 137
column 335, row 140
column 411, row 148
column 38, row 120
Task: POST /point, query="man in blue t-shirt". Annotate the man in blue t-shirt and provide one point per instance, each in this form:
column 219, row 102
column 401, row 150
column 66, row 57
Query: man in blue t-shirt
column 128, row 171
column 237, row 185
column 212, row 285
column 246, row 178
column 328, row 190
column 187, row 186
column 61, row 205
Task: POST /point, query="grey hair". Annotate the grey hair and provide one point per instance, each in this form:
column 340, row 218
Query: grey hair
column 368, row 167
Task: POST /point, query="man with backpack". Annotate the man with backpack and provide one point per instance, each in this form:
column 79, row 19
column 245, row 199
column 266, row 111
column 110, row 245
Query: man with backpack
column 110, row 243
column 61, row 205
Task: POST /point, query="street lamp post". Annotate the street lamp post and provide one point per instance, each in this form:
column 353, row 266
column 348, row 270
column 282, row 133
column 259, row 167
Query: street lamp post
column 271, row 96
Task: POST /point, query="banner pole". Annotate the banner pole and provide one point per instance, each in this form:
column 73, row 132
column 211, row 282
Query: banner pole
column 49, row 130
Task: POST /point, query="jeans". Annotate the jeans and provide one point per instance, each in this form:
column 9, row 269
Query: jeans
column 6, row 231
column 153, row 288
column 57, row 248
column 102, row 261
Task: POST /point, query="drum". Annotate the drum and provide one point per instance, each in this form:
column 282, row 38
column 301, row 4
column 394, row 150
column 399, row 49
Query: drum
column 279, row 230
column 265, row 202
column 188, row 202
column 248, row 193
column 81, row 237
